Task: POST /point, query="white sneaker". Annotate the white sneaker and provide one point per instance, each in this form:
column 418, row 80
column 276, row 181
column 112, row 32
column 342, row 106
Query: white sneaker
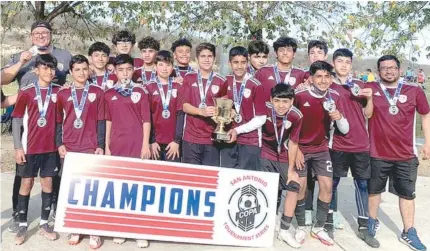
column 142, row 243
column 300, row 235
column 337, row 220
column 308, row 217
column 320, row 234
column 288, row 237
column 119, row 241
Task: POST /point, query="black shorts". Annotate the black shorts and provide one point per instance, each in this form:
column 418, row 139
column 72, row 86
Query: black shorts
column 317, row 163
column 240, row 156
column 358, row 162
column 276, row 167
column 403, row 173
column 163, row 154
column 47, row 163
column 200, row 154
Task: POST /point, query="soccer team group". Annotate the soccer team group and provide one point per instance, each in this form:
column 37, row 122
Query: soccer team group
column 308, row 126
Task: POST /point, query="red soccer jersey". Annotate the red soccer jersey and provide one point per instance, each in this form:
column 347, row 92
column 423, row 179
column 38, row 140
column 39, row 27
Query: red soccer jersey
column 357, row 139
column 83, row 139
column 316, row 121
column 266, row 76
column 253, row 104
column 198, row 129
column 164, row 129
column 392, row 137
column 183, row 70
column 292, row 132
column 138, row 62
column 149, row 76
column 127, row 115
column 35, row 139
column 110, row 81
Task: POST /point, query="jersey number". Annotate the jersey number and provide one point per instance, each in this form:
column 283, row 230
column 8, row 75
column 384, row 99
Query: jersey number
column 329, row 166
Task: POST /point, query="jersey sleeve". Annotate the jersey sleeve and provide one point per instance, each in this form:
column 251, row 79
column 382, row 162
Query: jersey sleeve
column 186, row 87
column 108, row 116
column 101, row 114
column 422, row 105
column 296, row 127
column 60, row 109
column 21, row 104
column 259, row 101
column 145, row 111
column 180, row 98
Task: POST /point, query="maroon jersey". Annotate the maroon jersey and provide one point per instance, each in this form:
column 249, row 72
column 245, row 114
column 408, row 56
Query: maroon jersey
column 127, row 115
column 85, row 138
column 198, row 129
column 316, row 121
column 253, row 104
column 292, row 129
column 357, row 139
column 266, row 76
column 164, row 129
column 110, row 81
column 182, row 70
column 35, row 139
column 306, row 76
column 392, row 136
column 149, row 76
column 137, row 62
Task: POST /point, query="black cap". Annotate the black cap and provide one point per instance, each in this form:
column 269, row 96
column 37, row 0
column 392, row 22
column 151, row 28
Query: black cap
column 43, row 24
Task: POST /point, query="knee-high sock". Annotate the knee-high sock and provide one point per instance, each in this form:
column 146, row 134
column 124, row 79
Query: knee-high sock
column 333, row 203
column 322, row 211
column 46, row 206
column 310, row 192
column 300, row 213
column 362, row 201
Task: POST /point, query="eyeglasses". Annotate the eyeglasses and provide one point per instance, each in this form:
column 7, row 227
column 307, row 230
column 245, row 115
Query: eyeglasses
column 123, row 43
column 43, row 34
column 392, row 68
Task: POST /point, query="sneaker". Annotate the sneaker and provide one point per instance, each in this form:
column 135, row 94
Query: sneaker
column 288, row 237
column 329, row 228
column 20, row 235
column 54, row 213
column 372, row 225
column 142, row 243
column 411, row 240
column 46, row 231
column 95, row 242
column 337, row 220
column 300, row 235
column 320, row 234
column 377, row 225
column 119, row 241
column 14, row 225
column 367, row 238
column 308, row 217
column 74, row 239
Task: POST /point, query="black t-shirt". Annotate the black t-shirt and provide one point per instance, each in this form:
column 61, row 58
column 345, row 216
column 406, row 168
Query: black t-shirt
column 3, row 97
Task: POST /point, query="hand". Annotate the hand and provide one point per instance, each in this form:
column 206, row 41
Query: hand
column 155, row 150
column 233, row 113
column 300, row 160
column 62, row 151
column 99, row 151
column 233, row 135
column 179, row 80
column 91, row 71
column 426, row 151
column 207, row 112
column 108, row 152
column 20, row 156
column 146, row 152
column 292, row 176
column 335, row 115
column 172, row 150
column 66, row 85
column 366, row 92
column 303, row 86
column 25, row 57
column 110, row 67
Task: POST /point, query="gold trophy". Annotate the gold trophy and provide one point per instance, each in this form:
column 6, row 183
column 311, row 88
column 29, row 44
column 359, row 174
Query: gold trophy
column 222, row 117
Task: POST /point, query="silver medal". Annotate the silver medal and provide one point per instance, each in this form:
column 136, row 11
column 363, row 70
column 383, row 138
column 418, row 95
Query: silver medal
column 165, row 114
column 41, row 122
column 202, row 105
column 78, row 123
column 355, row 89
column 238, row 118
column 329, row 106
column 393, row 109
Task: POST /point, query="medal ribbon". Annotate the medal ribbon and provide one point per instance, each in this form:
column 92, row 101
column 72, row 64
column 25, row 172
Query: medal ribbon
column 208, row 84
column 43, row 108
column 165, row 99
column 104, row 81
column 251, row 69
column 121, row 89
column 178, row 72
column 284, row 121
column 392, row 101
column 143, row 75
column 278, row 77
column 238, row 98
column 80, row 107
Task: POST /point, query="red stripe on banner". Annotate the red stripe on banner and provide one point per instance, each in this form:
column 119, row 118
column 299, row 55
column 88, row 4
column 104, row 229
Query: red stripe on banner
column 137, row 230
column 149, row 180
column 138, row 216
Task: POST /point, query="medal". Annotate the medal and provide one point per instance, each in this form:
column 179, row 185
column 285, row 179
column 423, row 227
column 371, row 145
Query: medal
column 202, row 105
column 238, row 118
column 41, row 122
column 104, row 81
column 165, row 114
column 143, row 75
column 355, row 90
column 165, row 99
column 78, row 123
column 237, row 97
column 121, row 88
column 43, row 108
column 203, row 92
column 329, row 106
column 79, row 108
column 278, row 77
column 178, row 72
column 393, row 109
column 275, row 127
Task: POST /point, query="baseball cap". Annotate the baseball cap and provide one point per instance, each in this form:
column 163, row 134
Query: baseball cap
column 41, row 23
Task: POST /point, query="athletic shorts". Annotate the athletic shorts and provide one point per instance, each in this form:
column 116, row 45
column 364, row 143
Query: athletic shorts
column 43, row 164
column 240, row 156
column 276, row 167
column 358, row 162
column 404, row 175
column 318, row 163
column 163, row 154
column 200, row 154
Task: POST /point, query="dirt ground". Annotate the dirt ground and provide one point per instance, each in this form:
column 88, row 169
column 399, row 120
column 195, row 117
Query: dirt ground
column 8, row 162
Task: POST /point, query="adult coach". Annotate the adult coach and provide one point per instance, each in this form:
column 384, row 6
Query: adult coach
column 20, row 68
column 392, row 149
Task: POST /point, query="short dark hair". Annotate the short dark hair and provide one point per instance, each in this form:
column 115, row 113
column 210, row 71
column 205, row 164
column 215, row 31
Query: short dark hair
column 388, row 57
column 320, row 65
column 181, row 42
column 237, row 51
column 124, row 36
column 257, row 47
column 205, row 46
column 319, row 44
column 369, row 70
column 99, row 46
column 282, row 90
column 164, row 56
column 123, row 59
column 149, row 43
column 47, row 60
column 78, row 59
column 285, row 42
column 343, row 52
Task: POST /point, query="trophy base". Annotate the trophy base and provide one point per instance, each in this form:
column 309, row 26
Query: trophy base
column 220, row 137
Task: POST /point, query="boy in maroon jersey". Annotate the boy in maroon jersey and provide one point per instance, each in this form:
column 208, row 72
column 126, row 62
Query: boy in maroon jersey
column 351, row 150
column 36, row 104
column 258, row 55
column 282, row 71
column 200, row 89
column 128, row 126
column 148, row 47
column 123, row 42
column 392, row 146
column 80, row 123
column 182, row 52
column 249, row 105
column 99, row 58
column 283, row 123
column 321, row 108
column 165, row 96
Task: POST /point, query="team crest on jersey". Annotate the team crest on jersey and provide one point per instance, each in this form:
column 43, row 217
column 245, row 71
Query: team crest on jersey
column 271, row 78
column 135, row 97
column 60, row 66
column 174, row 93
column 287, row 124
column 155, row 93
column 194, row 84
column 91, row 97
column 215, row 89
column 403, row 98
column 54, row 97
column 292, row 81
column 229, row 88
column 70, row 98
column 109, row 83
column 247, row 93
column 139, row 80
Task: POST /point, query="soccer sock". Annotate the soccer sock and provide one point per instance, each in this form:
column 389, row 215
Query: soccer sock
column 46, row 207
column 300, row 213
column 22, row 209
column 322, row 211
column 56, row 180
column 285, row 222
column 362, row 202
column 310, row 193
column 333, row 203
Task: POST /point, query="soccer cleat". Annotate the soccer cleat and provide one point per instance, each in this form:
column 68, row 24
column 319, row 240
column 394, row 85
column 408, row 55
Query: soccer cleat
column 20, row 235
column 411, row 240
column 329, row 228
column 119, row 241
column 74, row 239
column 46, row 231
column 337, row 220
column 14, row 225
column 300, row 235
column 320, row 234
column 288, row 237
column 308, row 217
column 142, row 243
column 367, row 238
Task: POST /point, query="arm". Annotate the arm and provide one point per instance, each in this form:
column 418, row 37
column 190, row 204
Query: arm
column 179, row 126
column 17, row 124
column 343, row 125
column 253, row 124
column 8, row 74
column 146, row 154
column 293, row 148
column 108, row 132
column 101, row 134
column 9, row 100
